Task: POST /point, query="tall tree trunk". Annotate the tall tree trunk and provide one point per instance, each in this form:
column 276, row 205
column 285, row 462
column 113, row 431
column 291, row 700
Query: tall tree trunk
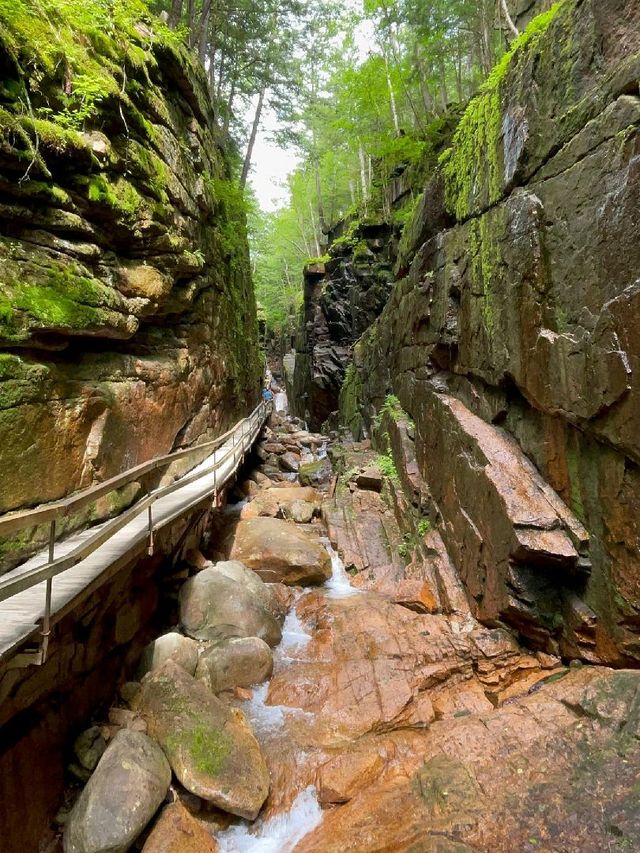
column 229, row 106
column 175, row 14
column 363, row 174
column 191, row 12
column 204, row 30
column 392, row 99
column 508, row 18
column 316, row 230
column 442, row 81
column 252, row 139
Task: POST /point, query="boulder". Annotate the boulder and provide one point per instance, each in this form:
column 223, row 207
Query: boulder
column 89, row 747
column 279, row 552
column 370, row 479
column 177, row 831
column 299, row 511
column 216, row 607
column 290, row 461
column 211, row 747
column 315, row 473
column 182, row 650
column 235, row 663
column 265, row 594
column 129, row 784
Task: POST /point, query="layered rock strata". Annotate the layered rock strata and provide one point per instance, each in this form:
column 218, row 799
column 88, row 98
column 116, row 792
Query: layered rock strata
column 510, row 337
column 127, row 316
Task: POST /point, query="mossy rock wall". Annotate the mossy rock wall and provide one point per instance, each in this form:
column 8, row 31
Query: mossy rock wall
column 127, row 314
column 518, row 300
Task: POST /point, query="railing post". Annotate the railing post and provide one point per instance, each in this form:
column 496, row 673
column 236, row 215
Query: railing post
column 46, row 620
column 215, row 482
column 150, row 522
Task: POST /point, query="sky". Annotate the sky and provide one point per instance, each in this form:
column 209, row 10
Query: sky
column 271, row 164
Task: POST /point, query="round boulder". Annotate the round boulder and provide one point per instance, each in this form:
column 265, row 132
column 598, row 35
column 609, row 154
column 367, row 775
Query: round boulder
column 129, row 784
column 216, row 607
column 171, row 646
column 235, row 663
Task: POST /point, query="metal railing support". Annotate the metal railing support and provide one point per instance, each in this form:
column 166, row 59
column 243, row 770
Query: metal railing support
column 150, row 523
column 241, row 437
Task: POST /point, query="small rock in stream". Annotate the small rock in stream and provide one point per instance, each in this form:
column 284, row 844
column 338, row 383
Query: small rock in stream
column 129, row 784
column 177, row 831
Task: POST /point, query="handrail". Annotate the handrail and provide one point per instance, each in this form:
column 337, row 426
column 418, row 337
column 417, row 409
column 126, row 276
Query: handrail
column 13, row 584
column 11, row 522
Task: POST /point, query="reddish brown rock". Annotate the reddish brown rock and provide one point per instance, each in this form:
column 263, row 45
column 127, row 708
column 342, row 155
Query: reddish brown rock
column 279, row 551
column 177, row 831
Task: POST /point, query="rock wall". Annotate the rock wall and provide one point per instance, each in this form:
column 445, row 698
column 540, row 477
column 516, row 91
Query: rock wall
column 341, row 299
column 511, row 337
column 127, row 316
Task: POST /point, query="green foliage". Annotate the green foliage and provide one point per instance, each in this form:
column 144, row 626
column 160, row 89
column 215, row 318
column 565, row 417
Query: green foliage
column 207, row 748
column 392, row 407
column 75, row 54
column 387, row 467
column 476, row 144
column 424, row 526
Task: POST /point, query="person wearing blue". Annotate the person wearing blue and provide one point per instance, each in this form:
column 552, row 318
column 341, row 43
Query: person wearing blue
column 267, row 395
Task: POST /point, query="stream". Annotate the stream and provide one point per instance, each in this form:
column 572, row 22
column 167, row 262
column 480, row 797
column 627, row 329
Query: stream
column 280, row 833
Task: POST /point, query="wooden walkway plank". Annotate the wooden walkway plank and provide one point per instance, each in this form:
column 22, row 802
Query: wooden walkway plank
column 20, row 615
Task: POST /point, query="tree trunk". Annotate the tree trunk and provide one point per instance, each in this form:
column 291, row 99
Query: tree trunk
column 363, row 175
column 204, row 30
column 252, row 139
column 508, row 19
column 191, row 12
column 392, row 99
column 175, row 14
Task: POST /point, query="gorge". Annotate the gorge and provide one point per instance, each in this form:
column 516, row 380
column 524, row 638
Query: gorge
column 403, row 613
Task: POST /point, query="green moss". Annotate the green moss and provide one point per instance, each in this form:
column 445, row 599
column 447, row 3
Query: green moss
column 350, row 402
column 207, row 748
column 476, row 144
column 119, row 195
column 573, row 468
column 485, row 261
column 61, row 297
column 387, row 467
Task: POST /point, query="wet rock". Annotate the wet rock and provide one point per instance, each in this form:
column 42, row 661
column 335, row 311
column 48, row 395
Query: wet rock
column 177, row 831
column 315, row 473
column 89, row 747
column 278, row 551
column 126, row 789
column 216, row 607
column 300, row 511
column 290, row 462
column 172, row 646
column 210, row 747
column 235, row 663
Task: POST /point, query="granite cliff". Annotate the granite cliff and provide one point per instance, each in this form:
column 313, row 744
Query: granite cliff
column 127, row 315
column 510, row 338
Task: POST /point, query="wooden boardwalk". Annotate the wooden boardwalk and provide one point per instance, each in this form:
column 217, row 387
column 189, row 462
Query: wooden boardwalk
column 21, row 615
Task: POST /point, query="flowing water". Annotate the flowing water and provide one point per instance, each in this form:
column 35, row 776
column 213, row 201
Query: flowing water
column 280, row 833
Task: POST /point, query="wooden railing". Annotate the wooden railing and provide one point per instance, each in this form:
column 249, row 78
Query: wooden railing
column 242, row 436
